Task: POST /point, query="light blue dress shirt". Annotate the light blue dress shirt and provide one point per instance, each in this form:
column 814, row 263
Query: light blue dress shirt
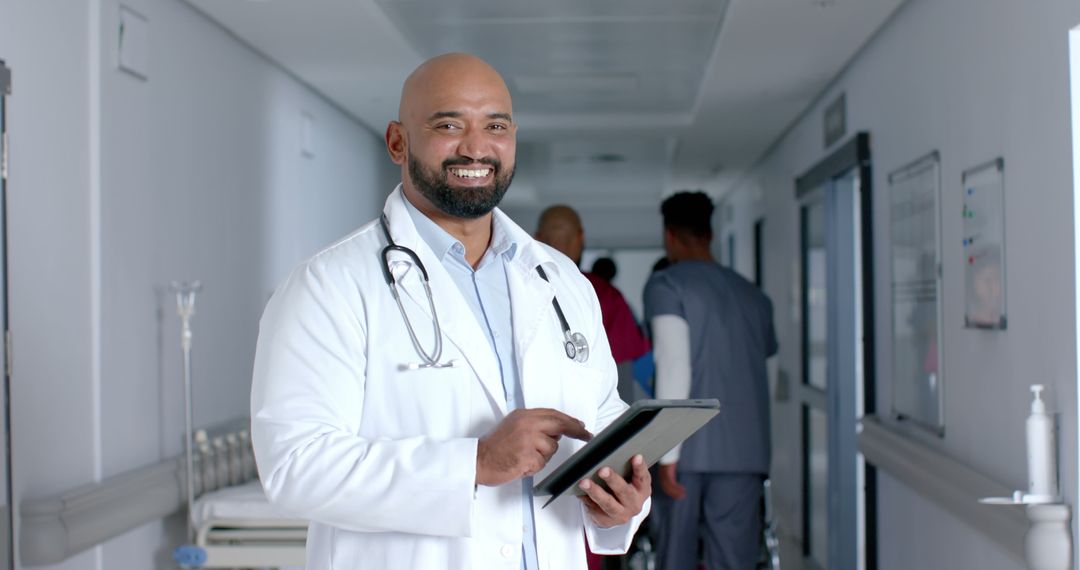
column 486, row 291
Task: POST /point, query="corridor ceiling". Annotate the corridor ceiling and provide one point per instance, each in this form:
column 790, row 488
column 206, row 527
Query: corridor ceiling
column 618, row 101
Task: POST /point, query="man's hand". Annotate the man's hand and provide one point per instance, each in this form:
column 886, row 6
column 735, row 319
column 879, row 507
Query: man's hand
column 522, row 444
column 669, row 482
column 625, row 499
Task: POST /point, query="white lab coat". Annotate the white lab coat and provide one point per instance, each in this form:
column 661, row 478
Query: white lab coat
column 383, row 460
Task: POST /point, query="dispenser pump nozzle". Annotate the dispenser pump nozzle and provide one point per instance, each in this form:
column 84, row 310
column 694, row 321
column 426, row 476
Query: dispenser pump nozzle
column 1038, row 406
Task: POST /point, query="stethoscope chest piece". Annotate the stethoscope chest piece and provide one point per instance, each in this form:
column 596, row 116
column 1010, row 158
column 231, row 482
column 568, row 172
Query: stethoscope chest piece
column 577, row 348
column 575, row 345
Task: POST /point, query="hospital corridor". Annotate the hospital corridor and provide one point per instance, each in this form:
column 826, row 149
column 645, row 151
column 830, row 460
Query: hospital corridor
column 361, row 284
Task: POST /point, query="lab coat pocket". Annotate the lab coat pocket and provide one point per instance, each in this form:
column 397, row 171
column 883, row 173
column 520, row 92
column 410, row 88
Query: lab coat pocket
column 580, row 392
column 431, row 402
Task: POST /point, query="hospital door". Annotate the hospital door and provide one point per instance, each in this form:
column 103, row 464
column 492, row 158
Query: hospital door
column 835, row 388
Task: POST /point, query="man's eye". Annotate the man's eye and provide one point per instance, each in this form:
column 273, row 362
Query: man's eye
column 447, row 126
column 498, row 127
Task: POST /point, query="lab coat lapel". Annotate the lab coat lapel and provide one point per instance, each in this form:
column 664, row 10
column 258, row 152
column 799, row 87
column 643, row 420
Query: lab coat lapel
column 458, row 323
column 530, row 301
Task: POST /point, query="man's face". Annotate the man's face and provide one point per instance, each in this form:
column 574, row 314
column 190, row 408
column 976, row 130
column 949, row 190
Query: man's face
column 456, row 140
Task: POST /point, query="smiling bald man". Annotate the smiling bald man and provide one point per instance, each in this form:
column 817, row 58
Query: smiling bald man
column 411, row 380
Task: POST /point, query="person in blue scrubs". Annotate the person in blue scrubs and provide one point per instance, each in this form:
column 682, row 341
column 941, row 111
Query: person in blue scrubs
column 712, row 332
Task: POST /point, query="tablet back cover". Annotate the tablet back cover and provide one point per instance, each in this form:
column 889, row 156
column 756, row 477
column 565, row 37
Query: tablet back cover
column 649, row 427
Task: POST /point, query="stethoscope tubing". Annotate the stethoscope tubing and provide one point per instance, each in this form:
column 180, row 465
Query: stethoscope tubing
column 429, row 360
column 575, row 345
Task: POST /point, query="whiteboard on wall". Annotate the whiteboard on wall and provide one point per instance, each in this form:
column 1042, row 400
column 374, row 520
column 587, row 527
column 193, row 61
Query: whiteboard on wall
column 915, row 262
column 984, row 246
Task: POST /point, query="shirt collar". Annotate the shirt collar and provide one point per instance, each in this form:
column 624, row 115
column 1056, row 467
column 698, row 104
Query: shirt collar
column 502, row 242
column 442, row 243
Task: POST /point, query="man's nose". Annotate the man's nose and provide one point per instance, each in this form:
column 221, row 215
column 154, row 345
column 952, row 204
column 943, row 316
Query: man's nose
column 474, row 144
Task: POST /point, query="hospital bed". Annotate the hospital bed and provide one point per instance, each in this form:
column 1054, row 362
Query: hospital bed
column 234, row 525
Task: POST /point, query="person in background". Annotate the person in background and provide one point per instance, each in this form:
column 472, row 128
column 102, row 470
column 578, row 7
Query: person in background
column 604, row 268
column 661, row 264
column 712, row 331
column 560, row 227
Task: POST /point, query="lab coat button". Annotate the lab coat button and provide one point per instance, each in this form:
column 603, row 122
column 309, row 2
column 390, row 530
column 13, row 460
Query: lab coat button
column 507, row 550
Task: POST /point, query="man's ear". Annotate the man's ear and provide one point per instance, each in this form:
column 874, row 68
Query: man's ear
column 396, row 145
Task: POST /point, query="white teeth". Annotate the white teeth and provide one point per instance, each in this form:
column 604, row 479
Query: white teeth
column 470, row 173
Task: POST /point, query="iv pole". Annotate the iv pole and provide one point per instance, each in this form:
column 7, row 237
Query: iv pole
column 188, row 555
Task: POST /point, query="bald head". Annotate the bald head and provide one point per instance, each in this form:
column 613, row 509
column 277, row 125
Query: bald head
column 560, row 227
column 460, row 74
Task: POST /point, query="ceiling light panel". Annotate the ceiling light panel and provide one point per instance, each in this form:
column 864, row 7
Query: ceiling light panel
column 585, row 170
column 574, row 56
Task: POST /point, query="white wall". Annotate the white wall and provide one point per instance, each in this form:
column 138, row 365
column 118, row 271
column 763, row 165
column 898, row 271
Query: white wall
column 49, row 227
column 120, row 185
column 974, row 79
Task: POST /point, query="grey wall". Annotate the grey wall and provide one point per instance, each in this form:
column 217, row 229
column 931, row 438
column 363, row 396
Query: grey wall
column 120, row 185
column 973, row 79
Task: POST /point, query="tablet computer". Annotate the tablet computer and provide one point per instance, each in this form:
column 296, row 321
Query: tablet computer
column 649, row 427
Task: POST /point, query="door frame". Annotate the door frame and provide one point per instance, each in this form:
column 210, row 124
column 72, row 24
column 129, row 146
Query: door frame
column 5, row 326
column 853, row 154
column 1074, row 74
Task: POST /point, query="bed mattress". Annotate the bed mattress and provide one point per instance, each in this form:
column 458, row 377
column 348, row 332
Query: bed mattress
column 240, row 503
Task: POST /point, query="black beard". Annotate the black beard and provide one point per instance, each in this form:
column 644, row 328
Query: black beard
column 467, row 203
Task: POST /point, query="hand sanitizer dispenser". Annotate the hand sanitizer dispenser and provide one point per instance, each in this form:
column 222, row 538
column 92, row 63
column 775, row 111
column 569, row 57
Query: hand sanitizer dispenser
column 1048, row 541
column 1042, row 465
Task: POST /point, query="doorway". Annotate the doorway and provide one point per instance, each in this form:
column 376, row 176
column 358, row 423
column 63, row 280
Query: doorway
column 836, row 283
column 1074, row 72
column 7, row 521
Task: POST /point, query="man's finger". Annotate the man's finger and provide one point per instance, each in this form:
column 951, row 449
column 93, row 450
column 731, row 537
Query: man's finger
column 535, row 464
column 641, row 478
column 590, row 504
column 623, row 492
column 602, row 498
column 561, row 424
column 547, row 446
column 594, row 510
column 577, row 431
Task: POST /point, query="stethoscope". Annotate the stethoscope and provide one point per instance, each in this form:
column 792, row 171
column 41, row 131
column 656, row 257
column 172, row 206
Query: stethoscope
column 575, row 345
